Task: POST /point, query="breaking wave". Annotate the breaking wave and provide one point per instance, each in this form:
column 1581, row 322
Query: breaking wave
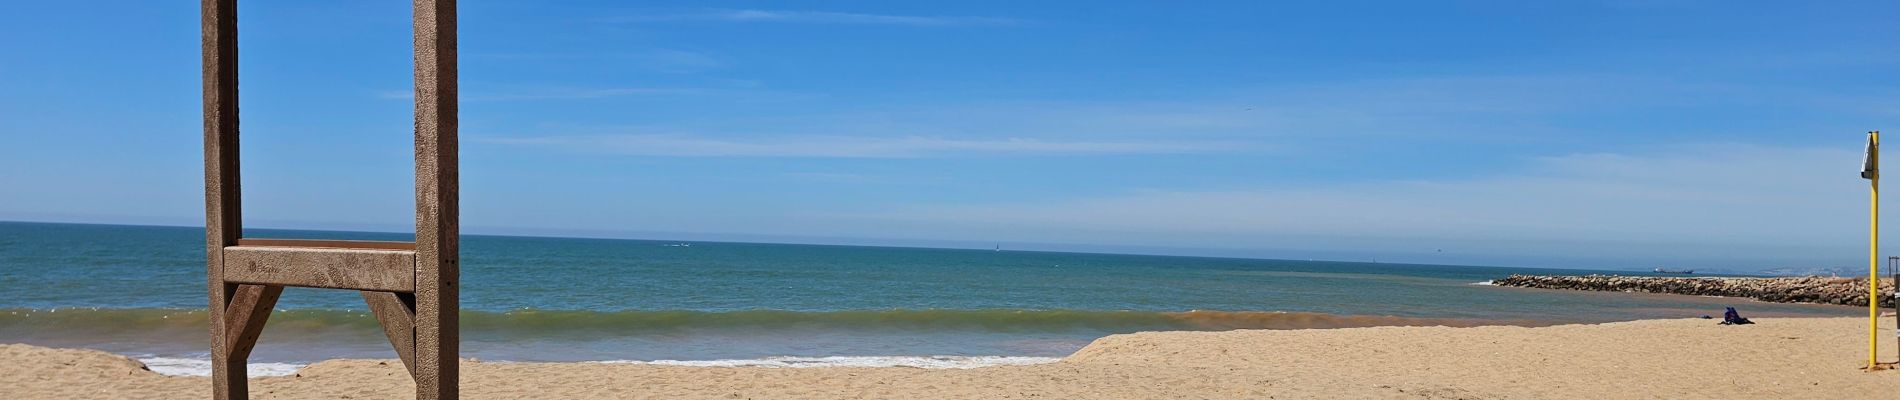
column 594, row 323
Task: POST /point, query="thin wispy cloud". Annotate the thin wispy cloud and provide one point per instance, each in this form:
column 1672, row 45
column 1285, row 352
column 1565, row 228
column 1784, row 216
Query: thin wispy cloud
column 657, row 60
column 682, row 145
column 1269, row 118
column 838, row 178
column 553, row 93
column 1673, row 202
column 823, row 17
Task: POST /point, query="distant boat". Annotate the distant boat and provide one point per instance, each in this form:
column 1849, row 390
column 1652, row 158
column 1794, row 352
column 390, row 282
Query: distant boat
column 1661, row 270
column 678, row 245
column 999, row 247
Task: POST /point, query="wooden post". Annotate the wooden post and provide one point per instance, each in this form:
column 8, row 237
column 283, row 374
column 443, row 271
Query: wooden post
column 411, row 287
column 223, row 217
column 438, row 261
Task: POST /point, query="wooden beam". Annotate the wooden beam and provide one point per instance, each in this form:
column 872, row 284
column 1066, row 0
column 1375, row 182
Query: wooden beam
column 397, row 313
column 438, row 237
column 223, row 216
column 411, row 287
column 244, row 318
column 359, row 269
column 332, row 244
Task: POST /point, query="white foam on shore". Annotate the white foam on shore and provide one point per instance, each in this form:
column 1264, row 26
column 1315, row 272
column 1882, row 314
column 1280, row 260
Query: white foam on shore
column 202, row 367
column 1485, row 283
column 175, row 366
column 927, row 362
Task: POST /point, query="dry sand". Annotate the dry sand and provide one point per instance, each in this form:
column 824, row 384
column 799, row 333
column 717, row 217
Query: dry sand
column 1659, row 359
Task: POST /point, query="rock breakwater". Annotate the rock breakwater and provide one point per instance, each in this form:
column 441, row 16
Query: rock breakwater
column 1811, row 289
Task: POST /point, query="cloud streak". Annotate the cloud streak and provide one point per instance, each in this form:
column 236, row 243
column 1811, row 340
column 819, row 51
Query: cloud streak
column 1741, row 202
column 682, row 145
column 555, row 93
column 658, row 60
column 825, row 17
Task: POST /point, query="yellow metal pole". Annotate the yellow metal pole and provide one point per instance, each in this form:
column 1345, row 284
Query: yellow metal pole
column 1873, row 259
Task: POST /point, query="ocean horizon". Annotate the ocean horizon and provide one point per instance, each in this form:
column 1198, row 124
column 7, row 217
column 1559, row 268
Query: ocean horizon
column 140, row 291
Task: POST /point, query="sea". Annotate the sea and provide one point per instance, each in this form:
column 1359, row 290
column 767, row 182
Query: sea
column 141, row 291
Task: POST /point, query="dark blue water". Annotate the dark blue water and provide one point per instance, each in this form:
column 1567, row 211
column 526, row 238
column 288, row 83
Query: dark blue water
column 141, row 290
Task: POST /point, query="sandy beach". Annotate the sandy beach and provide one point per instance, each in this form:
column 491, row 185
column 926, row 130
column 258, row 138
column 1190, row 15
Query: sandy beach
column 1779, row 358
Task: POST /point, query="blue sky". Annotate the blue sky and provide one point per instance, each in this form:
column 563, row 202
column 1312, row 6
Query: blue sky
column 1584, row 134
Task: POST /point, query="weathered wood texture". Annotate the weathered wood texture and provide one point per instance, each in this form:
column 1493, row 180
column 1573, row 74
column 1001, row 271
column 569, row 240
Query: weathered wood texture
column 397, row 313
column 249, row 309
column 412, row 287
column 332, row 244
column 358, row 269
column 438, row 255
column 223, row 224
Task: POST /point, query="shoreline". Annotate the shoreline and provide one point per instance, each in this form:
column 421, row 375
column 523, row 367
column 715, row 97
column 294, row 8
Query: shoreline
column 1669, row 358
column 201, row 367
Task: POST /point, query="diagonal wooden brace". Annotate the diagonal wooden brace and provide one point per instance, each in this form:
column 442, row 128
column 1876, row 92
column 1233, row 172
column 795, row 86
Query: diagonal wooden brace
column 245, row 310
column 397, row 313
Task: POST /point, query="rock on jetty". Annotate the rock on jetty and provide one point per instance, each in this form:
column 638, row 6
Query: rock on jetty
column 1811, row 289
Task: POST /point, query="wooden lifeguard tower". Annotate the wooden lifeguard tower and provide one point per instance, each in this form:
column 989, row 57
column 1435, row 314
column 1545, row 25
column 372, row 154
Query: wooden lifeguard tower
column 410, row 286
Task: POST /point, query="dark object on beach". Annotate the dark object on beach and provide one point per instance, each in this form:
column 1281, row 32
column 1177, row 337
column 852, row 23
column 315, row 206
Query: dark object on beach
column 1707, row 317
column 1734, row 318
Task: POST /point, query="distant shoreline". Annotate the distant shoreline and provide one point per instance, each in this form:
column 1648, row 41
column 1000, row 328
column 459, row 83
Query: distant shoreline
column 1811, row 289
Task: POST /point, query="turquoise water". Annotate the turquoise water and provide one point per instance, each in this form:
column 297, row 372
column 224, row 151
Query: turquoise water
column 141, row 290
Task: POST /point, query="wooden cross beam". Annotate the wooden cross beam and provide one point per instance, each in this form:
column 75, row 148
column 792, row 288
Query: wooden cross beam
column 411, row 287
